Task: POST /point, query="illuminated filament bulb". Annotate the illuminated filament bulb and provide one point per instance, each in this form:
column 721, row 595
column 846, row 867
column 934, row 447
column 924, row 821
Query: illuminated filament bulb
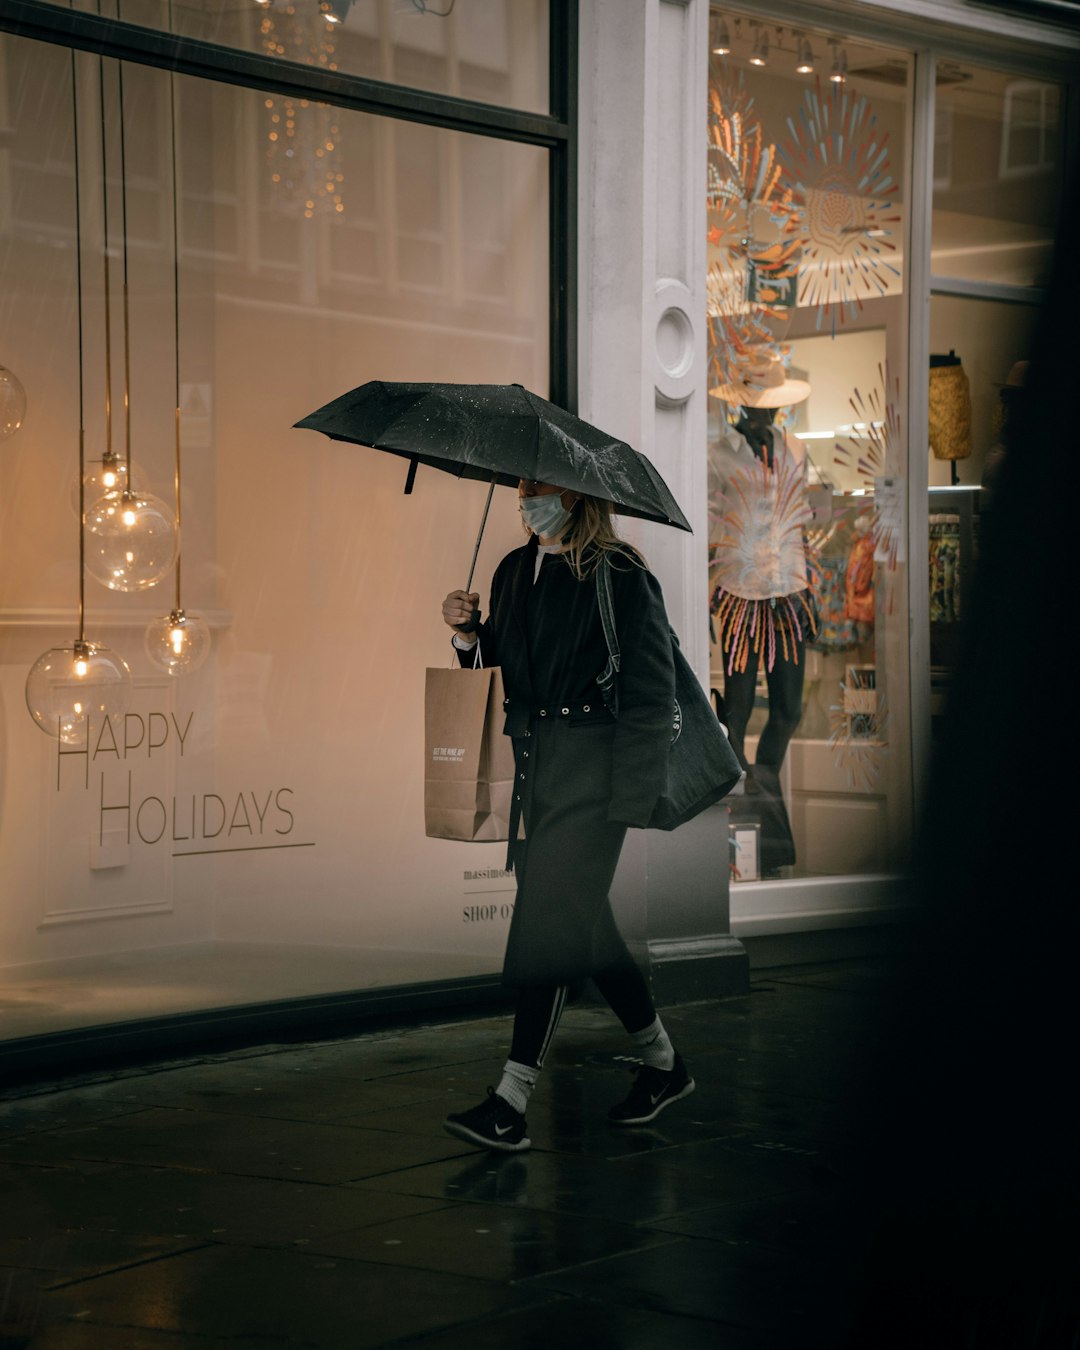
column 104, row 476
column 131, row 540
column 178, row 643
column 69, row 686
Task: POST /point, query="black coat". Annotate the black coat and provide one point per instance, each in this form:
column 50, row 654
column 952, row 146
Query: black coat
column 548, row 639
column 582, row 777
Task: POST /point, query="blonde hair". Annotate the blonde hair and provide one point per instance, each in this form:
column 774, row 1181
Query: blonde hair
column 590, row 533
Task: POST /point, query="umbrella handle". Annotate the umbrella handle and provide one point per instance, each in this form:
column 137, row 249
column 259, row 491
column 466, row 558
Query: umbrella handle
column 474, row 619
column 480, row 534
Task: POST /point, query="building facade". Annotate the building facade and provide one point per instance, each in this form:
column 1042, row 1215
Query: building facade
column 217, row 218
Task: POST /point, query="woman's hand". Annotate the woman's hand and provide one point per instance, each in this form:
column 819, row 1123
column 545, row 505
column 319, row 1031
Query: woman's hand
column 458, row 608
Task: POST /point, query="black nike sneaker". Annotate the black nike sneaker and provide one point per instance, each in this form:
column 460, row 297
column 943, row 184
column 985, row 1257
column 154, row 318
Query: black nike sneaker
column 493, row 1124
column 653, row 1090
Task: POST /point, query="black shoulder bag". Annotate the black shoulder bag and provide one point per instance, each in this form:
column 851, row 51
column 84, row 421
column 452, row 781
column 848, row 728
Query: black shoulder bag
column 702, row 767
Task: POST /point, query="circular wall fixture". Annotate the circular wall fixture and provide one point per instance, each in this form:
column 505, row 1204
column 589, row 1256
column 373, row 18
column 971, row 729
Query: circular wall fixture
column 675, row 342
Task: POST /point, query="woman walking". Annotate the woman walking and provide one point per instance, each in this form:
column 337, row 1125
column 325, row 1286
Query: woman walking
column 582, row 776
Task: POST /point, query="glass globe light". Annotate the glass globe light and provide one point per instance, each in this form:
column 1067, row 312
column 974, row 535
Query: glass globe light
column 178, row 643
column 104, row 477
column 12, row 404
column 67, row 686
column 131, row 540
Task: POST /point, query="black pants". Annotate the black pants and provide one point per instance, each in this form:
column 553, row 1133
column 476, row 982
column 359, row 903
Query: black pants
column 785, row 683
column 539, row 1008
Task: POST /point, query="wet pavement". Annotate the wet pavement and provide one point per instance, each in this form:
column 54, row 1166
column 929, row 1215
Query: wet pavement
column 306, row 1196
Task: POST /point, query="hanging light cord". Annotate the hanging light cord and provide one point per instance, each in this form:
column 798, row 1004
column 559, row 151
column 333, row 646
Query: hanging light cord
column 127, row 334
column 79, row 305
column 176, row 304
column 105, row 254
column 176, row 317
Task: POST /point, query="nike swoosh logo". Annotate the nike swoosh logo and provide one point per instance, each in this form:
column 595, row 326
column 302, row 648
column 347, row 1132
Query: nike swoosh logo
column 500, row 1130
column 655, row 1099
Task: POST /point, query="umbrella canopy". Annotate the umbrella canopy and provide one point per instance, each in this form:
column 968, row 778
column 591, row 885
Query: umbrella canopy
column 498, row 433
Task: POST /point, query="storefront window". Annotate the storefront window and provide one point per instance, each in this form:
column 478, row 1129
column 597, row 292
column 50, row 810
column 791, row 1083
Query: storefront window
column 807, row 449
column 254, row 830
column 493, row 51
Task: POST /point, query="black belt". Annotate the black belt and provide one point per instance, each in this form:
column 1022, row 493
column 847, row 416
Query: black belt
column 518, row 717
column 592, row 711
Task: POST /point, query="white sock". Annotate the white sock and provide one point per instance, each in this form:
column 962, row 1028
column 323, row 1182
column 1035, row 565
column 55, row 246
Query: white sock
column 516, row 1084
column 654, row 1045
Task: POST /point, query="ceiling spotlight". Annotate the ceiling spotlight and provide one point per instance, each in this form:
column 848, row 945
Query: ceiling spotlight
column 721, row 38
column 805, row 56
column 760, row 54
column 838, row 73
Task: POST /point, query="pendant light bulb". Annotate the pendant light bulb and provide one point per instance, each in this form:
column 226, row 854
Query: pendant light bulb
column 67, row 686
column 759, row 56
column 178, row 643
column 804, row 64
column 12, row 403
column 104, row 477
column 131, row 540
column 720, row 37
column 838, row 73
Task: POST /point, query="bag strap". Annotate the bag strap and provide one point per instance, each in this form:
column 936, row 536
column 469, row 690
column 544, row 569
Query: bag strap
column 477, row 661
column 607, row 677
column 607, row 611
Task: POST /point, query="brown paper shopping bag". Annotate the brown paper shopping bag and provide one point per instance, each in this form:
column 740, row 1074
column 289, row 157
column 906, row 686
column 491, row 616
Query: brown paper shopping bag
column 469, row 763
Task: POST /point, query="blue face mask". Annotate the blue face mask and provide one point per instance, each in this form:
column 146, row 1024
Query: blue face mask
column 544, row 515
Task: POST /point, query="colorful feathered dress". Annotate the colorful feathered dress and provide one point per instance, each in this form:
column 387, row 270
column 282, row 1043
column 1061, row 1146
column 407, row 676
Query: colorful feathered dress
column 761, row 597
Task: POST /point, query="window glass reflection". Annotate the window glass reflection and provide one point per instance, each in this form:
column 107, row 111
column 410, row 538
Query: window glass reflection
column 997, row 175
column 492, row 51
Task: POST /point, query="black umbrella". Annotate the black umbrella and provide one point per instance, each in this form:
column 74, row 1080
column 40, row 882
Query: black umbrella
column 498, row 433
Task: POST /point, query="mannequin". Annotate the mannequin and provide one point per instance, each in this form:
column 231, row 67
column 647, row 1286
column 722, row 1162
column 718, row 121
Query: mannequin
column 761, row 601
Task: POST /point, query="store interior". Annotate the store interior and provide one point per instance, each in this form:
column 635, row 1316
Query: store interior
column 806, row 196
